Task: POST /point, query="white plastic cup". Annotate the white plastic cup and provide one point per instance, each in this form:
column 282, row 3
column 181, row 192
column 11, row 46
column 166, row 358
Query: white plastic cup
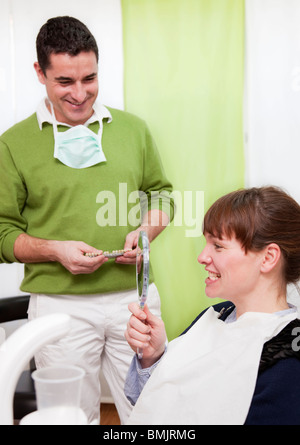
column 58, row 393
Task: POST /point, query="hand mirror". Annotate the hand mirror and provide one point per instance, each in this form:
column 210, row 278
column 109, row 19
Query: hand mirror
column 142, row 273
column 142, row 268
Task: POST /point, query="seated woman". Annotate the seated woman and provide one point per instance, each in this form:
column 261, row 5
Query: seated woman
column 239, row 361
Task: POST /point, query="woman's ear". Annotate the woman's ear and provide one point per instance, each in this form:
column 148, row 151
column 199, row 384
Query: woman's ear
column 272, row 255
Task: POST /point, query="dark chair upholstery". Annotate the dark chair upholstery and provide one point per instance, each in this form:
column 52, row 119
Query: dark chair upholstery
column 11, row 309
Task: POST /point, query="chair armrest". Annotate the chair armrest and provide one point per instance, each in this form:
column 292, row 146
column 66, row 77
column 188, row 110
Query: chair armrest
column 14, row 308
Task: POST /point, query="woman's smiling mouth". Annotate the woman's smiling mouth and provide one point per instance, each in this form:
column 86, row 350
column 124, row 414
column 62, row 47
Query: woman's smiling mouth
column 213, row 276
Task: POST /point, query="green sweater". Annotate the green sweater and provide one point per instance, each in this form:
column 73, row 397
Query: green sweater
column 46, row 199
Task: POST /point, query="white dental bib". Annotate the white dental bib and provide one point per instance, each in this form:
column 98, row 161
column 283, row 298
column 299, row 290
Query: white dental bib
column 208, row 375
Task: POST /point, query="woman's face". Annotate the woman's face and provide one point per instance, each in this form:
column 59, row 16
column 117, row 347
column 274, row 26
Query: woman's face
column 232, row 274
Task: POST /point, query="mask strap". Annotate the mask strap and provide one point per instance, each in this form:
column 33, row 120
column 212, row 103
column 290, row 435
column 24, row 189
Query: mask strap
column 53, row 118
column 100, row 130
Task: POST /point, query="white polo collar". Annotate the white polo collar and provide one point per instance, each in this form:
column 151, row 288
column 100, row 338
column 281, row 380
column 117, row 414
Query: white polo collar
column 44, row 115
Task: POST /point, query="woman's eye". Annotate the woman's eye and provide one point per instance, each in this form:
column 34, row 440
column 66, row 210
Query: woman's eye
column 217, row 246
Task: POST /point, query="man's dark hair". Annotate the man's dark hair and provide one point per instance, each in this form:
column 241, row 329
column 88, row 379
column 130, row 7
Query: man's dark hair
column 63, row 35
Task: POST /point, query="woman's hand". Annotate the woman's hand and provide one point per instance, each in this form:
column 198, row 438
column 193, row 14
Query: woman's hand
column 147, row 332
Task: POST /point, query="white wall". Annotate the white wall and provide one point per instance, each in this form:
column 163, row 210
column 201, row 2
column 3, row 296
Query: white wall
column 20, row 91
column 272, row 94
column 272, row 97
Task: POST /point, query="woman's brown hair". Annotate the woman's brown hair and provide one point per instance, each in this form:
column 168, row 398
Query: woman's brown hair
column 257, row 217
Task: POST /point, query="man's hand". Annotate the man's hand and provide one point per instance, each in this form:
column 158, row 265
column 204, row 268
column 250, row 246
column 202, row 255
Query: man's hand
column 130, row 245
column 71, row 255
column 154, row 223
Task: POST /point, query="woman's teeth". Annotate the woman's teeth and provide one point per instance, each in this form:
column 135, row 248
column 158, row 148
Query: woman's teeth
column 213, row 276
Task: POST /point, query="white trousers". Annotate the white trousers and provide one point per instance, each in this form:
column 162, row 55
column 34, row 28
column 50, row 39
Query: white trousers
column 96, row 340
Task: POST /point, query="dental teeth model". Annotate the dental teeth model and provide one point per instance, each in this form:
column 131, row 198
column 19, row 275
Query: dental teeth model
column 113, row 254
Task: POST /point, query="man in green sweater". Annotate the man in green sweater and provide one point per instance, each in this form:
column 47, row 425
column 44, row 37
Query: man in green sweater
column 71, row 178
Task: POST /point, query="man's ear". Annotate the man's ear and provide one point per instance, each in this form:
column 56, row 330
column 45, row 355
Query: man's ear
column 39, row 72
column 271, row 257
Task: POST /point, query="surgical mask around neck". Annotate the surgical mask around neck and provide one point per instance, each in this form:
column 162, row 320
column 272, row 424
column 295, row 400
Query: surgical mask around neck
column 79, row 147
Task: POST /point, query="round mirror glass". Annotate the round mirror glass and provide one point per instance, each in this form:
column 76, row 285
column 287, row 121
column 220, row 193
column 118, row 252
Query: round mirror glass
column 142, row 268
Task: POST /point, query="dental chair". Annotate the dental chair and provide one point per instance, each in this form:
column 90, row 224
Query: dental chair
column 17, row 394
column 12, row 309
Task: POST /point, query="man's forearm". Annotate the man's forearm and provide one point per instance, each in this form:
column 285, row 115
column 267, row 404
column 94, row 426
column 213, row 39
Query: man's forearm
column 154, row 222
column 70, row 254
column 28, row 249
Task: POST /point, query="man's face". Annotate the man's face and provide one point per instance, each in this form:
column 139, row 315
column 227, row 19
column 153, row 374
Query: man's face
column 72, row 85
